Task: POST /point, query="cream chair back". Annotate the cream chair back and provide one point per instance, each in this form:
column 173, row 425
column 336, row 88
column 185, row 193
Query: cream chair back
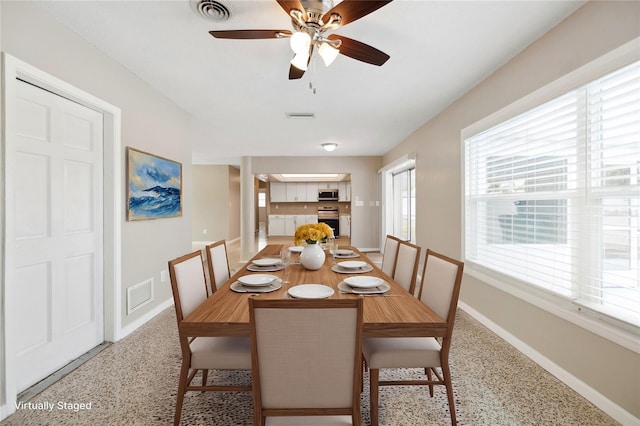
column 218, row 262
column 407, row 262
column 390, row 255
column 306, row 357
column 441, row 279
column 188, row 283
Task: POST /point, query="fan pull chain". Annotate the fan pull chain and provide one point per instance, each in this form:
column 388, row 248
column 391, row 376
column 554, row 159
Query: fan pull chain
column 311, row 74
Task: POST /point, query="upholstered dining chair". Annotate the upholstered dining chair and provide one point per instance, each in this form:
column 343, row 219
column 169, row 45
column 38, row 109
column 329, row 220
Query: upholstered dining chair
column 390, row 254
column 306, row 358
column 406, row 270
column 441, row 281
column 190, row 289
column 218, row 264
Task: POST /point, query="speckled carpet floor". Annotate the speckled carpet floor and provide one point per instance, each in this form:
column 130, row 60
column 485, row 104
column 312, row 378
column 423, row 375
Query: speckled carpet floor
column 134, row 382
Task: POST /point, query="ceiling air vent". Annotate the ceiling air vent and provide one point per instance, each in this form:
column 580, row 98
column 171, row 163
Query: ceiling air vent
column 211, row 10
column 303, row 115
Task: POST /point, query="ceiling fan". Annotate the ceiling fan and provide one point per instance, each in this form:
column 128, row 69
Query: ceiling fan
column 311, row 19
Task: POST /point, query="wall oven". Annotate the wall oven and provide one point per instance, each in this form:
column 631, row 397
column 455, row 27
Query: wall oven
column 330, row 216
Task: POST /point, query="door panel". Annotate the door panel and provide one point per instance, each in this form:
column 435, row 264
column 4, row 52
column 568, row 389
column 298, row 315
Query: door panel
column 34, row 284
column 31, row 204
column 57, row 210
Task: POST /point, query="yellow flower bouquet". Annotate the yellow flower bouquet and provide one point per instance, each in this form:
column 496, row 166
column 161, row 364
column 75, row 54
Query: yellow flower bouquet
column 312, row 233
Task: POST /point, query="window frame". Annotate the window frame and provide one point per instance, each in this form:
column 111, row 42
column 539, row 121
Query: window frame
column 613, row 329
column 408, row 174
column 386, row 173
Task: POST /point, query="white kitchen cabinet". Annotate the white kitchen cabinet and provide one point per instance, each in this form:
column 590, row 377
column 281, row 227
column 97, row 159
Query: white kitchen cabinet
column 299, row 219
column 327, row 185
column 296, row 191
column 306, row 192
column 278, row 191
column 286, row 224
column 345, row 225
column 276, row 224
column 344, row 191
column 312, row 192
column 289, row 225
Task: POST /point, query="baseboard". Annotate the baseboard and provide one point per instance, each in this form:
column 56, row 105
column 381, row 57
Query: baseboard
column 369, row 249
column 125, row 331
column 596, row 398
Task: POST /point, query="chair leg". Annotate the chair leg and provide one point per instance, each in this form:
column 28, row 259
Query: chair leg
column 205, row 373
column 182, row 385
column 429, row 377
column 374, row 375
column 447, row 382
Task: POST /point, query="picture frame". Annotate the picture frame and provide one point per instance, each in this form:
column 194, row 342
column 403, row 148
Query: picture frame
column 154, row 186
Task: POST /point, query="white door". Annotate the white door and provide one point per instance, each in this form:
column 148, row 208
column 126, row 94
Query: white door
column 54, row 213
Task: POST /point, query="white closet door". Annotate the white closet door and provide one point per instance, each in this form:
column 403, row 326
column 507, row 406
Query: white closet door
column 56, row 231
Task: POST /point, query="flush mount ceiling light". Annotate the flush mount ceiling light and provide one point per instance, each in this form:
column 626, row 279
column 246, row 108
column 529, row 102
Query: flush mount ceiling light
column 329, row 146
column 311, row 20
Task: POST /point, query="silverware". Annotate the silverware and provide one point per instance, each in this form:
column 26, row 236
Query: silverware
column 369, row 294
column 378, row 294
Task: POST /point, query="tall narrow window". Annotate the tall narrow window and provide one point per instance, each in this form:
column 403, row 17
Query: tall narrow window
column 552, row 196
column 404, row 196
column 399, row 199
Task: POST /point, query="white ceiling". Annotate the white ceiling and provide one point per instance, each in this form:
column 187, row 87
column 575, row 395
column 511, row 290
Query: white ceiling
column 240, row 88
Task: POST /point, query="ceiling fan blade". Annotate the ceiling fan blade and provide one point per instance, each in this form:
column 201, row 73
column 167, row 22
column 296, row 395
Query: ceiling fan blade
column 360, row 51
column 351, row 10
column 249, row 34
column 287, row 5
column 295, row 73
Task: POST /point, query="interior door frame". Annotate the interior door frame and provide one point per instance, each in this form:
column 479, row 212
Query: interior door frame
column 13, row 69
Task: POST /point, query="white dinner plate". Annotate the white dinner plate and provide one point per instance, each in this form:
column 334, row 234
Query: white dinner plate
column 267, row 261
column 256, row 268
column 337, row 268
column 311, row 291
column 238, row 287
column 381, row 289
column 364, row 281
column 344, row 252
column 352, row 264
column 296, row 249
column 257, row 279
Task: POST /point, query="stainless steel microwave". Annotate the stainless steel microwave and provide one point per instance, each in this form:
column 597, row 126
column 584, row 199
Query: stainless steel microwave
column 328, row 195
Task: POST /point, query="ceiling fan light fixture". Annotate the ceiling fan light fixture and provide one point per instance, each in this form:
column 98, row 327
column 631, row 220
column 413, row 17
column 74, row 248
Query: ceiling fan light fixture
column 330, row 146
column 300, row 42
column 300, row 61
column 328, row 53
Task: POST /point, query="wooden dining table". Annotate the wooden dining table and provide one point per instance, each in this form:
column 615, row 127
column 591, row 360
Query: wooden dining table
column 395, row 313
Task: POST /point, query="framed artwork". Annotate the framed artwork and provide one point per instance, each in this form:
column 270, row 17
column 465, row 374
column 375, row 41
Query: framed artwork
column 154, row 186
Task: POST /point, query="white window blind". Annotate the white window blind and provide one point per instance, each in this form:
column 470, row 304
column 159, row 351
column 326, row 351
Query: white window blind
column 552, row 196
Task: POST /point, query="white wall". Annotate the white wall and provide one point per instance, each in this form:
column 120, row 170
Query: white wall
column 150, row 122
column 595, row 29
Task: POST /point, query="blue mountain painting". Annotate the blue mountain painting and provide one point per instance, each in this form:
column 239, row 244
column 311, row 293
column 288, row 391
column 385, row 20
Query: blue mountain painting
column 154, row 186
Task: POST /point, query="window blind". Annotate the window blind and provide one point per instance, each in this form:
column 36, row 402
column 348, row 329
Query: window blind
column 552, row 196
